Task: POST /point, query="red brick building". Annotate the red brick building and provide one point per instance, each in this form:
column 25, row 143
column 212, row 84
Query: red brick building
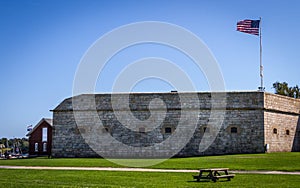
column 40, row 138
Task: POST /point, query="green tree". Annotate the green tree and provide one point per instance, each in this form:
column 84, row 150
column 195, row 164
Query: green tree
column 296, row 91
column 21, row 143
column 284, row 89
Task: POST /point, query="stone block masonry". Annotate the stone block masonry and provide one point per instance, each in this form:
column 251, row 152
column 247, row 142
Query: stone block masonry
column 282, row 125
column 248, row 125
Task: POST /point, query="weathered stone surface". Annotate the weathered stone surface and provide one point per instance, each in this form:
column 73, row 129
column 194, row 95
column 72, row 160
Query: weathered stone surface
column 252, row 116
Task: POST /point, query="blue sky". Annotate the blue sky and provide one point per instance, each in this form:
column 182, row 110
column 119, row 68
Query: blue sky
column 42, row 43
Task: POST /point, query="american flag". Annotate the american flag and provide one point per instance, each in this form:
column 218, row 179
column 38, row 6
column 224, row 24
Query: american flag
column 248, row 26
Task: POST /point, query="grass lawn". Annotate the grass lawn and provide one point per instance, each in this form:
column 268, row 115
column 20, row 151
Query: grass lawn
column 274, row 161
column 62, row 178
column 74, row 178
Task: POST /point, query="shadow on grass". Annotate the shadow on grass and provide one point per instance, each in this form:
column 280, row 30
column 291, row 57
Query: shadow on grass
column 207, row 181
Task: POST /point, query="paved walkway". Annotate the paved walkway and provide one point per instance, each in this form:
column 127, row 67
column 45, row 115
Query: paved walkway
column 138, row 169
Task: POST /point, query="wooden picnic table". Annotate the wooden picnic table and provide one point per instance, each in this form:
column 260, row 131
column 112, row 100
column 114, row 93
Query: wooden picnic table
column 213, row 174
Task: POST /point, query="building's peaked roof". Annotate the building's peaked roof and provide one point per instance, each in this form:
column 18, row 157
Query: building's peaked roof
column 48, row 120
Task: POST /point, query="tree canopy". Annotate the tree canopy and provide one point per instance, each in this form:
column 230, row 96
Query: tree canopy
column 21, row 143
column 284, row 89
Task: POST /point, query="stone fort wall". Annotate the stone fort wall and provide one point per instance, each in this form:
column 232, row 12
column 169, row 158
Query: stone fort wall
column 282, row 123
column 247, row 126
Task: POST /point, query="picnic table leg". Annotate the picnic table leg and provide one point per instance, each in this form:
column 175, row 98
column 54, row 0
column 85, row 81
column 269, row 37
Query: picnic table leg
column 200, row 175
column 226, row 172
column 211, row 176
column 216, row 173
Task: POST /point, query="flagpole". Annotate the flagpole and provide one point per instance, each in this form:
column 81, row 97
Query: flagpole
column 261, row 88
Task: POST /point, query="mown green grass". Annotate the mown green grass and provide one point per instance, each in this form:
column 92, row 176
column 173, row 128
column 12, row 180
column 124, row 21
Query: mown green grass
column 274, row 161
column 65, row 178
column 68, row 178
